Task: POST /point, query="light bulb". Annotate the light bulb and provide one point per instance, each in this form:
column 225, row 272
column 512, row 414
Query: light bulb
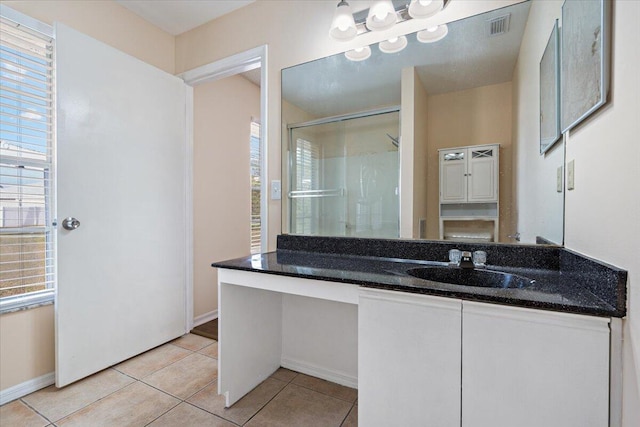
column 421, row 9
column 359, row 53
column 433, row 34
column 393, row 45
column 382, row 15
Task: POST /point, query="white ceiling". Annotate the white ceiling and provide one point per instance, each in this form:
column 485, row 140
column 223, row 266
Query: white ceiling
column 177, row 16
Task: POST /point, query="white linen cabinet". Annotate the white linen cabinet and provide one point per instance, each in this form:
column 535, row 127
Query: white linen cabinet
column 469, row 193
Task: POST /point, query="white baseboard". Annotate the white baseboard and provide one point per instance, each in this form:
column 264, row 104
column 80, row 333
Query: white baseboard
column 204, row 318
column 320, row 372
column 22, row 389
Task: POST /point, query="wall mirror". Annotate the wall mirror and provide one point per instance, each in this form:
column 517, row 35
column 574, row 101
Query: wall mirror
column 364, row 142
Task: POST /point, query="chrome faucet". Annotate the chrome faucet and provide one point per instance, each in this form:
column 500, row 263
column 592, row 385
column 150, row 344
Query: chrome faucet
column 467, row 259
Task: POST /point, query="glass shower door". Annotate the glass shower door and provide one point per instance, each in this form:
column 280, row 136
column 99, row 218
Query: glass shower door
column 344, row 177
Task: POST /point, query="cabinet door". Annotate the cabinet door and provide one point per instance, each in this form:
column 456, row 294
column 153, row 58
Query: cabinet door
column 483, row 175
column 453, row 176
column 529, row 368
column 408, row 359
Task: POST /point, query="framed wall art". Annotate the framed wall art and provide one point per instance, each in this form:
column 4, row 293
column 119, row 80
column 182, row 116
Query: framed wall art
column 550, row 92
column 585, row 61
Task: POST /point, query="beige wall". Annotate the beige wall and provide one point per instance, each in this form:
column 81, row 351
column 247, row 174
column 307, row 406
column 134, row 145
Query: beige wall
column 108, row 22
column 413, row 154
column 539, row 207
column 26, row 345
column 221, row 187
column 27, row 337
column 470, row 117
column 601, row 214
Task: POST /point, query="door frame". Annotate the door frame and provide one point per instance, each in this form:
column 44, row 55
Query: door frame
column 226, row 67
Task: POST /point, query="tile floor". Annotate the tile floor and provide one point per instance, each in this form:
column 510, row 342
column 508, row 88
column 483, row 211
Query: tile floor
column 175, row 385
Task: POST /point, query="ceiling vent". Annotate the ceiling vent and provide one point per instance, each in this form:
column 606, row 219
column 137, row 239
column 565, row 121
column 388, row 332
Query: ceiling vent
column 499, row 25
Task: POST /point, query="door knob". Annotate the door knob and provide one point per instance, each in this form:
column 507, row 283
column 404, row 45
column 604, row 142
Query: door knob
column 70, row 223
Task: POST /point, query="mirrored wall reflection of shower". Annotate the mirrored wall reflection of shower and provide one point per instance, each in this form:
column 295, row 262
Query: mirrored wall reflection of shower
column 344, row 176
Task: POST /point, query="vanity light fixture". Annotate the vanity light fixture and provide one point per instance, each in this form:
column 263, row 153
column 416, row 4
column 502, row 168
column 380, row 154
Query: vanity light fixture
column 358, row 54
column 421, row 9
column 433, row 34
column 380, row 17
column 393, row 45
column 343, row 26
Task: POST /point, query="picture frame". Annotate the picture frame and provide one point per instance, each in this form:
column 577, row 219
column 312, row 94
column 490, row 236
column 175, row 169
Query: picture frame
column 550, row 92
column 585, row 59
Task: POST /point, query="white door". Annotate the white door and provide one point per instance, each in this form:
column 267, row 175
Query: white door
column 121, row 173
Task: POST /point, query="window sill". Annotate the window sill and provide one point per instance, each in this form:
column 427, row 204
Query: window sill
column 26, row 302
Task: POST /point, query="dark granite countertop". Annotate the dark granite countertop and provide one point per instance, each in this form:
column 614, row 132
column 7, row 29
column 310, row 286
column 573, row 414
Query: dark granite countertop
column 564, row 280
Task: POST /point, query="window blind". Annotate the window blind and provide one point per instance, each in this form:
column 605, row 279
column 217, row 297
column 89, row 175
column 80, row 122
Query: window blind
column 256, row 173
column 26, row 165
column 306, row 177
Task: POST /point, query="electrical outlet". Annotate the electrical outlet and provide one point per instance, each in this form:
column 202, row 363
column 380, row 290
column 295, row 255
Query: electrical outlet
column 571, row 175
column 559, row 178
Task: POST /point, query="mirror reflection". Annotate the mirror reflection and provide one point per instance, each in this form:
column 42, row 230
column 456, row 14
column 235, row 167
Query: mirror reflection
column 415, row 144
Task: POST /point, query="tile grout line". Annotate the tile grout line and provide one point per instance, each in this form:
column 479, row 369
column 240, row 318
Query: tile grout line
column 211, row 413
column 165, row 412
column 348, row 413
column 95, row 401
column 113, row 367
column 317, row 391
column 181, row 400
column 265, row 405
column 151, row 373
column 34, row 409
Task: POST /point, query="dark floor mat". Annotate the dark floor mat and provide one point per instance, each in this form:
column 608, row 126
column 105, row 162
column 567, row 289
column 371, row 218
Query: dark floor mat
column 209, row 329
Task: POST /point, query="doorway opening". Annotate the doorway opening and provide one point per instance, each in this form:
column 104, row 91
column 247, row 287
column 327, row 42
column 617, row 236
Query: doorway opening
column 229, row 142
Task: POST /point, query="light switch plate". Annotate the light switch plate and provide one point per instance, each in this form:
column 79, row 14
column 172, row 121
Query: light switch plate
column 276, row 190
column 559, row 178
column 571, row 175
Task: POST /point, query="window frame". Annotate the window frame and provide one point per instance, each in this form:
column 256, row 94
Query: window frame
column 38, row 298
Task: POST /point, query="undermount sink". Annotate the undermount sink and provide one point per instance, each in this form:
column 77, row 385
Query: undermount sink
column 471, row 277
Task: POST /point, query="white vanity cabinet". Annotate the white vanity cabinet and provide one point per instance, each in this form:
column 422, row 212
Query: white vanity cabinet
column 425, row 360
column 421, row 360
column 533, row 368
column 408, row 359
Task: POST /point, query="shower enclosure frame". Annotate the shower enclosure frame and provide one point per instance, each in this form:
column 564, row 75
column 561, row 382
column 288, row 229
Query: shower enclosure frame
column 289, row 194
